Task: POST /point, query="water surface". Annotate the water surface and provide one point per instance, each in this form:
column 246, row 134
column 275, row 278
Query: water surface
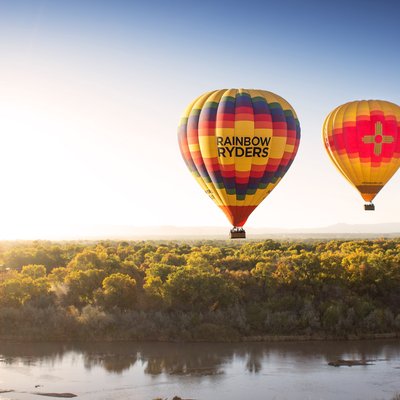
column 145, row 371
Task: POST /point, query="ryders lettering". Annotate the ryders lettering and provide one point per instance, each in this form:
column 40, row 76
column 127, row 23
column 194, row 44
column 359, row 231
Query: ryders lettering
column 235, row 146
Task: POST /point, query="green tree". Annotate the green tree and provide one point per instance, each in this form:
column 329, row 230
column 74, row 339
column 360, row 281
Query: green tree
column 89, row 259
column 81, row 286
column 118, row 290
column 58, row 275
column 34, row 271
column 173, row 259
column 19, row 291
column 193, row 289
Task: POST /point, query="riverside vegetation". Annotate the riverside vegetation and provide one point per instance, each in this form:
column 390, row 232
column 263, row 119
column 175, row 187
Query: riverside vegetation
column 192, row 291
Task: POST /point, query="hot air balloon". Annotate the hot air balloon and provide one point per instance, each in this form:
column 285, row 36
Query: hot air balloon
column 362, row 139
column 238, row 144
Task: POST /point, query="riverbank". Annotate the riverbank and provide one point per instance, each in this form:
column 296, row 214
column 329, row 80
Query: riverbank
column 245, row 339
column 320, row 337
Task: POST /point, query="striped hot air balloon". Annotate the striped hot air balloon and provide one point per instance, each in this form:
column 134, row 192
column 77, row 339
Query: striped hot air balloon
column 362, row 139
column 238, row 144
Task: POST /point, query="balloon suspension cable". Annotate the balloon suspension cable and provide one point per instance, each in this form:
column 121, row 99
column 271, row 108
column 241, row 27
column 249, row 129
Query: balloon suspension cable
column 237, row 233
column 369, row 207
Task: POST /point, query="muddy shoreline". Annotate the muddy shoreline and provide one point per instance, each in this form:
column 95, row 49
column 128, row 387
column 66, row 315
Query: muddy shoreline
column 244, row 339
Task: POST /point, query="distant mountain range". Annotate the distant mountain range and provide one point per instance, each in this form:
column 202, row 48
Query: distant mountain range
column 175, row 232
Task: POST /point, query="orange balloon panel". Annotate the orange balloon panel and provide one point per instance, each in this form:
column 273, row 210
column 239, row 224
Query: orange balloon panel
column 238, row 144
column 362, row 139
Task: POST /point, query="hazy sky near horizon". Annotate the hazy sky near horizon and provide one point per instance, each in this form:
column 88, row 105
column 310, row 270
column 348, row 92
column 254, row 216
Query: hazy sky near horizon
column 91, row 93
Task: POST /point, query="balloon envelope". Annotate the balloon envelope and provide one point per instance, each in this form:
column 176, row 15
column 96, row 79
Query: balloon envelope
column 362, row 139
column 238, row 144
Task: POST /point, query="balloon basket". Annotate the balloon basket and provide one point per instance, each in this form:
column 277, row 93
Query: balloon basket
column 237, row 233
column 369, row 207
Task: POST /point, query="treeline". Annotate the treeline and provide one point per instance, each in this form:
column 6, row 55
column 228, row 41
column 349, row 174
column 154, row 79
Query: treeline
column 198, row 291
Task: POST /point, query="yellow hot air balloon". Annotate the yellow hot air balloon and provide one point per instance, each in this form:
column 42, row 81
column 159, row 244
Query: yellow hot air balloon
column 362, row 139
column 238, row 144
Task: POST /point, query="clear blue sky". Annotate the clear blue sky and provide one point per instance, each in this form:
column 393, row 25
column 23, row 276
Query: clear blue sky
column 92, row 92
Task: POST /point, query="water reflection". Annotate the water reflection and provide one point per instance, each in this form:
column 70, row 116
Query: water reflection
column 254, row 361
column 185, row 359
column 197, row 359
column 116, row 363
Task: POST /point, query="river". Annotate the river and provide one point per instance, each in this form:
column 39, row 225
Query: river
column 220, row 371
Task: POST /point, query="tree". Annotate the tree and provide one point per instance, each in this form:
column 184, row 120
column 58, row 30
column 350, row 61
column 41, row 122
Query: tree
column 81, row 286
column 58, row 275
column 118, row 290
column 18, row 291
column 88, row 259
column 34, row 271
column 173, row 259
column 189, row 288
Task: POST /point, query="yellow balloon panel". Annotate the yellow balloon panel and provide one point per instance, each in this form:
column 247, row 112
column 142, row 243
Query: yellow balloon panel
column 362, row 139
column 238, row 144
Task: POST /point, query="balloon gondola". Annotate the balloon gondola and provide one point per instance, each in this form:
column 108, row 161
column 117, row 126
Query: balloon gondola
column 369, row 207
column 362, row 139
column 237, row 233
column 238, row 144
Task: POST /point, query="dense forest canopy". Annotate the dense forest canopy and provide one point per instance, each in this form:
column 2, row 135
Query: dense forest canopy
column 214, row 290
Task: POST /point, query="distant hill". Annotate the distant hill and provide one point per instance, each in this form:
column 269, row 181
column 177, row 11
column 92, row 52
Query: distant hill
column 175, row 232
